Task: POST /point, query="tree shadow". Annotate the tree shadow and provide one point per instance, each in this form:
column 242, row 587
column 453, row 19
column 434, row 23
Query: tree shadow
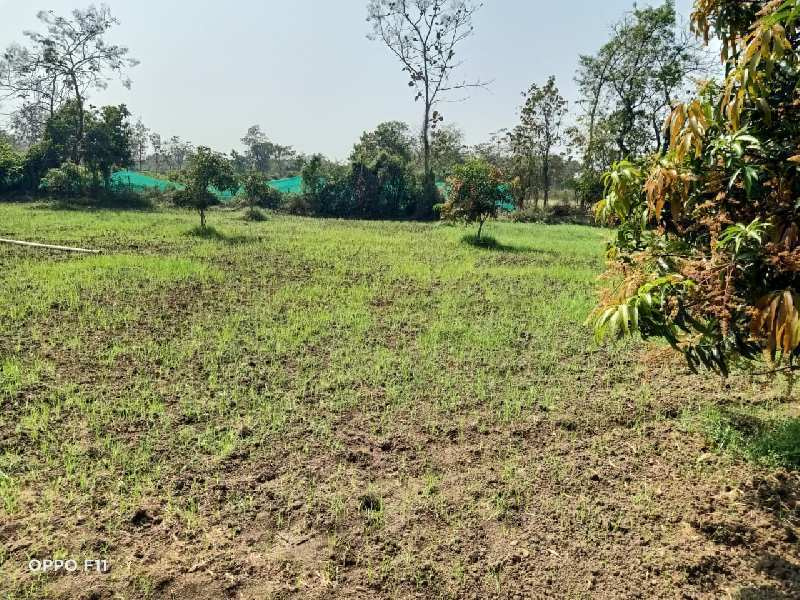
column 133, row 203
column 487, row 242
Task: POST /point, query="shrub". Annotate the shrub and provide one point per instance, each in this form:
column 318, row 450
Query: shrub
column 206, row 168
column 11, row 163
column 255, row 214
column 296, row 204
column 39, row 159
column 67, row 181
column 557, row 213
column 383, row 187
column 589, row 188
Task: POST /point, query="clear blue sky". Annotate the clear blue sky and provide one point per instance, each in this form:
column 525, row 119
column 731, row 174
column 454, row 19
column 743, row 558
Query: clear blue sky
column 305, row 71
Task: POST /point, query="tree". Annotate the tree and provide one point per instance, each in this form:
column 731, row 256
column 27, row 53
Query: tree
column 240, row 163
column 206, row 169
column 476, row 188
column 257, row 191
column 259, row 149
column 708, row 244
column 384, row 188
column 140, row 141
column 65, row 62
column 10, row 165
column 177, row 151
column 108, row 141
column 424, row 35
column 38, row 90
column 447, row 149
column 158, row 149
column 392, row 138
column 283, row 154
column 539, row 130
column 265, row 156
column 632, row 82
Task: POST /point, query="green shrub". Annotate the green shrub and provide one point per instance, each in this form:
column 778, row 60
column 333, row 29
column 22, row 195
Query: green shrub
column 476, row 190
column 254, row 214
column 257, row 192
column 10, row 166
column 296, row 204
column 67, row 181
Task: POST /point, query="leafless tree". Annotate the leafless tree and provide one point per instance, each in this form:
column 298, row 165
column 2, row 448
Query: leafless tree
column 140, row 141
column 424, row 35
column 65, row 62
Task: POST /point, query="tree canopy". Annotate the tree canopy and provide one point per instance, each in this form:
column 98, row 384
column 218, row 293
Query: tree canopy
column 707, row 251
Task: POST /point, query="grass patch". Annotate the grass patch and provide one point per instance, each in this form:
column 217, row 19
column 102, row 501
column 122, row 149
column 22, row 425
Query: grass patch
column 759, row 435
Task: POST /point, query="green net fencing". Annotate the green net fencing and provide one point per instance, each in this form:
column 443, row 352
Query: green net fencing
column 290, row 185
column 136, row 180
column 140, row 180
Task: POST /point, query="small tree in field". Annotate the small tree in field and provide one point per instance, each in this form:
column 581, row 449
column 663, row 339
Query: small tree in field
column 206, row 168
column 476, row 190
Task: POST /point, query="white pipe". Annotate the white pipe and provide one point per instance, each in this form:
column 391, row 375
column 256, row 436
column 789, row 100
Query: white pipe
column 35, row 245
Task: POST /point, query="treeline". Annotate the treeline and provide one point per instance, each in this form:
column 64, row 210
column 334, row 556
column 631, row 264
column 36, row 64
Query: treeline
column 76, row 155
column 59, row 144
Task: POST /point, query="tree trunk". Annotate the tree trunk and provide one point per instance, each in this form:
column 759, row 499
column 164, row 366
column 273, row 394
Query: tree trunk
column 202, row 218
column 425, row 203
column 546, row 178
column 480, row 228
column 81, row 120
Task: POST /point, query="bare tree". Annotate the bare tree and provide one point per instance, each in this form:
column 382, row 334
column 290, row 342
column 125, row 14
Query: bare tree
column 140, row 140
column 35, row 89
column 423, row 35
column 158, row 149
column 65, row 62
column 178, row 151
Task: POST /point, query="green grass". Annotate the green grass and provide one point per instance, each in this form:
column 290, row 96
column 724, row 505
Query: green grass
column 763, row 434
column 385, row 388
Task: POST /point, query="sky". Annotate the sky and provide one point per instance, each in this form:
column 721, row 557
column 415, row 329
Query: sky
column 306, row 72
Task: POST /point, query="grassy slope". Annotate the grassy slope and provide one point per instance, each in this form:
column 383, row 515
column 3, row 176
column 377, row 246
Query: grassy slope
column 311, row 408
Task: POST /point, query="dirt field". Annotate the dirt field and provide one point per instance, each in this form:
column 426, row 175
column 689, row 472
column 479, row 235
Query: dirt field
column 303, row 408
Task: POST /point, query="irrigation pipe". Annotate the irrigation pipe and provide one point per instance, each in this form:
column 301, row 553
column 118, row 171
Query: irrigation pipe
column 48, row 246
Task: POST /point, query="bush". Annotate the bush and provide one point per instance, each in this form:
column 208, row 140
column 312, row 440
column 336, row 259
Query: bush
column 257, row 192
column 67, row 181
column 296, row 204
column 10, row 166
column 379, row 188
column 206, row 169
column 254, row 214
column 39, row 159
column 589, row 188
